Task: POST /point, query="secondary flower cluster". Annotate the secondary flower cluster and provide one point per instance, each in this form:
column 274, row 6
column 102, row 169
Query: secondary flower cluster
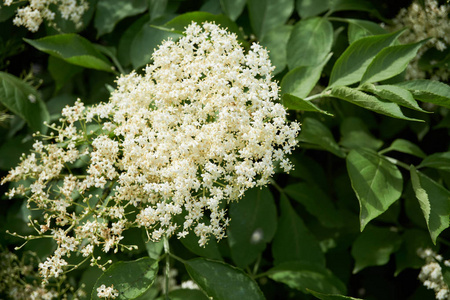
column 431, row 274
column 32, row 15
column 167, row 153
column 428, row 21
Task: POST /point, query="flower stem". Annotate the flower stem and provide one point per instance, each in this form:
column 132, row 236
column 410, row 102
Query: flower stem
column 167, row 271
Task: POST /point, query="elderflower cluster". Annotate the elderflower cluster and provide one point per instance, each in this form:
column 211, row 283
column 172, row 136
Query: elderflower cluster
column 431, row 21
column 431, row 274
column 167, row 153
column 17, row 280
column 32, row 15
column 107, row 292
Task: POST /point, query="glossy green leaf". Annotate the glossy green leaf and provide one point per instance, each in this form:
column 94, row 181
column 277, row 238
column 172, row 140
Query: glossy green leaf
column 233, row 8
column 301, row 80
column 295, row 103
column 316, row 133
column 439, row 161
column 377, row 183
column 330, row 297
column 354, row 134
column 266, row 14
column 434, row 201
column 311, row 8
column 428, row 91
column 254, row 225
column 303, row 276
column 126, row 41
column 222, row 281
column 316, row 202
column 154, row 249
column 61, row 71
column 369, row 102
column 413, row 240
column 210, row 250
column 145, row 41
column 390, row 61
column 310, row 42
column 186, row 294
column 74, row 49
column 293, row 241
column 351, row 65
column 180, row 22
column 23, row 100
column 130, row 278
column 395, row 94
column 108, row 15
column 359, row 5
column 373, row 247
column 358, row 29
column 157, row 8
column 276, row 41
column 405, row 146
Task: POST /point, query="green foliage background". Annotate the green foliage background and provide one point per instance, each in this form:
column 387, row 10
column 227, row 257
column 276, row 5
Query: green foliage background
column 372, row 172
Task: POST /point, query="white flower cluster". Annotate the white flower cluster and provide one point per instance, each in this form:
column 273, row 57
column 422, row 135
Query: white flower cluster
column 431, row 274
column 107, row 292
column 17, row 280
column 167, row 153
column 32, row 15
column 431, row 21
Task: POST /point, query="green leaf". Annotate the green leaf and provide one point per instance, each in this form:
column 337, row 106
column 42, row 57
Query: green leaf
column 293, row 241
column 23, row 100
column 145, row 41
column 221, row 281
column 107, row 15
column 314, row 132
column 232, row 8
column 434, row 201
column 210, row 250
column 316, row 202
column 439, row 161
column 295, row 103
column 11, row 150
column 301, row 80
column 428, row 91
column 126, row 40
column 354, row 134
column 373, row 247
column 130, row 278
column 369, row 102
column 180, row 22
column 351, row 65
column 303, row 276
column 405, row 146
column 186, row 294
column 358, row 29
column 157, row 8
column 390, row 61
column 310, row 42
column 395, row 94
column 266, row 15
column 61, row 71
column 74, row 49
column 330, row 297
column 311, row 8
column 276, row 43
column 254, row 225
column 154, row 249
column 406, row 256
column 377, row 183
column 359, row 5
